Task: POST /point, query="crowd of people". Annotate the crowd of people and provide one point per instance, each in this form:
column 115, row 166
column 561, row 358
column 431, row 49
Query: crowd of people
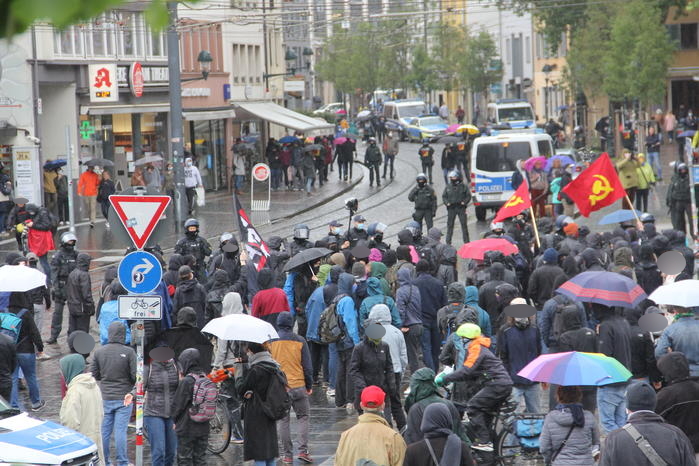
column 372, row 326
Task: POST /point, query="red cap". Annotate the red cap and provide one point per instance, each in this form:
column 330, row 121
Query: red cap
column 373, row 396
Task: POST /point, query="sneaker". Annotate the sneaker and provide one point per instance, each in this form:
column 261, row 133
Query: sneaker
column 349, row 407
column 305, row 457
column 288, row 459
column 482, row 446
column 38, row 407
column 237, row 441
column 106, row 224
column 330, row 392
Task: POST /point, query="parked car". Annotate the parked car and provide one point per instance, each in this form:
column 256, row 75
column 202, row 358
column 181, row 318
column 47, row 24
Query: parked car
column 426, row 127
column 330, row 108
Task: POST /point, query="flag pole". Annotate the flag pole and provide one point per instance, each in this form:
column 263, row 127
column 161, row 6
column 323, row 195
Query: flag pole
column 536, row 229
column 635, row 214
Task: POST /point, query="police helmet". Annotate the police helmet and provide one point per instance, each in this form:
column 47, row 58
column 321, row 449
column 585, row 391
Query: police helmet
column 421, row 176
column 497, row 226
column 414, row 228
column 191, row 222
column 647, row 218
column 454, row 174
column 301, row 231
column 67, row 237
column 682, row 166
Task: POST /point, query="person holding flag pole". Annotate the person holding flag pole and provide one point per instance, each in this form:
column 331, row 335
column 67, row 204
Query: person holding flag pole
column 517, row 203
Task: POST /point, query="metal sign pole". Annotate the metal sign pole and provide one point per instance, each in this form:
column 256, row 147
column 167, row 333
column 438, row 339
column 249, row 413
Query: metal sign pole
column 69, row 169
column 140, row 332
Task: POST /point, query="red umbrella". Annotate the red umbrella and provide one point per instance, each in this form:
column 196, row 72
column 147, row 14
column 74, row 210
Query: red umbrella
column 477, row 249
column 530, row 162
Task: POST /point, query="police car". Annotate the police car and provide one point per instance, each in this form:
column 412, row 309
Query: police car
column 27, row 441
column 425, row 127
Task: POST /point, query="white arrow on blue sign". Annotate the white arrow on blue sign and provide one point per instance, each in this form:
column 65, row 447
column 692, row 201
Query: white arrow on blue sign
column 140, row 272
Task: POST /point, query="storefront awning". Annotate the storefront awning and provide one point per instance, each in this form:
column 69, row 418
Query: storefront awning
column 197, row 115
column 116, row 109
column 282, row 116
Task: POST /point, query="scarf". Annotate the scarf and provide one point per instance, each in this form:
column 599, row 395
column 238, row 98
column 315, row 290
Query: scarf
column 262, row 356
column 576, row 410
column 438, row 422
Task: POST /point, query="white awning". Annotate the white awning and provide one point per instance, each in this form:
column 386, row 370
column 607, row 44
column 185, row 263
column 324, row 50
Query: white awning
column 194, row 115
column 282, row 116
column 117, row 109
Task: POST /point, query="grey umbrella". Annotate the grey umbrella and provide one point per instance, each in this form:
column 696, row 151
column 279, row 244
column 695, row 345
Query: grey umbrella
column 312, row 147
column 306, row 256
column 148, row 159
column 99, row 163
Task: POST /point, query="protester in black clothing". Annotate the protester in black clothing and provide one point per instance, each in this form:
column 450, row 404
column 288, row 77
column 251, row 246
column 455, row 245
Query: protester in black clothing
column 8, row 363
column 192, row 437
column 190, row 293
column 105, row 189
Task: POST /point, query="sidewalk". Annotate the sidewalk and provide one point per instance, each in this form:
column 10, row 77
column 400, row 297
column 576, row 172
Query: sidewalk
column 215, row 217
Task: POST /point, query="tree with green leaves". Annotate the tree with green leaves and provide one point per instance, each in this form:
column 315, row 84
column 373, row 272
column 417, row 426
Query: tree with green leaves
column 481, row 65
column 422, row 76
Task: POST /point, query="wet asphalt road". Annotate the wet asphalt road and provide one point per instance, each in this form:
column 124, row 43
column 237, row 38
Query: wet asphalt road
column 387, row 204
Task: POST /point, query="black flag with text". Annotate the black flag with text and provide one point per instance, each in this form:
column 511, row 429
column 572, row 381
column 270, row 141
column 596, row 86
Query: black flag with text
column 256, row 248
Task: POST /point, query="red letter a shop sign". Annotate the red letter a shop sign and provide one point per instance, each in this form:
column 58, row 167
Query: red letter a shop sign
column 103, row 83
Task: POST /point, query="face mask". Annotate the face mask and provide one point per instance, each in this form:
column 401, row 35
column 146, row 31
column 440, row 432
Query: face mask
column 192, row 234
column 521, row 323
column 455, row 182
column 337, row 231
column 189, row 164
column 68, row 246
column 378, row 237
column 361, row 226
column 421, row 183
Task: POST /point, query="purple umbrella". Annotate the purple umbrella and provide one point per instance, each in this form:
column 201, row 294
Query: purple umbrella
column 530, row 162
column 565, row 160
column 607, row 288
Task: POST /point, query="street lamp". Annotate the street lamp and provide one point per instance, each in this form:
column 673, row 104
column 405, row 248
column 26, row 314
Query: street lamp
column 547, row 69
column 290, row 57
column 204, row 58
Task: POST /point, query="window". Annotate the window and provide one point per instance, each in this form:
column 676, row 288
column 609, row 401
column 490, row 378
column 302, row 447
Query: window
column 501, row 157
column 157, row 45
column 544, row 148
column 130, row 33
column 69, row 41
column 688, row 36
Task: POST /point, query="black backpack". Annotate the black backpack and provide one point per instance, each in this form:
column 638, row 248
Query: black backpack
column 557, row 327
column 465, row 315
column 277, row 403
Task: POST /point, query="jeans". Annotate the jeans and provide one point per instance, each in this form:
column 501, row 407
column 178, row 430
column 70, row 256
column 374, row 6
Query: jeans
column 116, row 418
column 239, row 180
column 611, row 402
column 386, row 160
column 162, row 439
column 46, row 268
column 104, row 207
column 27, row 362
column 272, row 462
column 530, row 394
column 302, row 409
column 413, row 344
column 431, row 343
column 332, row 365
column 191, row 449
column 276, row 178
column 309, row 183
column 344, row 388
column 654, row 161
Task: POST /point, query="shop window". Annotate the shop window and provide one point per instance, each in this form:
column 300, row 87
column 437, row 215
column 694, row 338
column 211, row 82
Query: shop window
column 688, row 36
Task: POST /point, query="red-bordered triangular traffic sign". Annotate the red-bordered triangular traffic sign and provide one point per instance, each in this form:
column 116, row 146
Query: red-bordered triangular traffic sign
column 139, row 214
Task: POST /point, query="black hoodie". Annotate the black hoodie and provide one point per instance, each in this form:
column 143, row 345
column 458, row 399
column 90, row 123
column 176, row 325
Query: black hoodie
column 79, row 288
column 214, row 298
column 486, row 294
column 186, row 335
column 190, row 368
column 172, row 277
column 678, row 402
column 647, row 273
column 575, row 336
column 642, row 348
column 192, row 294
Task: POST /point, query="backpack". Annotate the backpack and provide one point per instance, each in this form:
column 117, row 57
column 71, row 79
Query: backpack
column 110, row 313
column 11, row 324
column 330, row 328
column 204, row 397
column 466, row 314
column 528, row 432
column 557, row 327
column 277, row 402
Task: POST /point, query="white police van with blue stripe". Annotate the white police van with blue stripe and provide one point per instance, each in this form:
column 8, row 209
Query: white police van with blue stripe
column 493, row 160
column 27, row 441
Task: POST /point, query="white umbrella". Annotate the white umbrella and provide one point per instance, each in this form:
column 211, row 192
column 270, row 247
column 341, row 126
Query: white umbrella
column 241, row 327
column 148, row 159
column 20, row 278
column 684, row 293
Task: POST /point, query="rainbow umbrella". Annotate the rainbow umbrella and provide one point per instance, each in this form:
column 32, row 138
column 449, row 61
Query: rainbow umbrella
column 607, row 288
column 575, row 368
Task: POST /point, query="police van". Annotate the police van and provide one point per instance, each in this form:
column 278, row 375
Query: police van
column 493, row 160
column 516, row 113
column 27, row 441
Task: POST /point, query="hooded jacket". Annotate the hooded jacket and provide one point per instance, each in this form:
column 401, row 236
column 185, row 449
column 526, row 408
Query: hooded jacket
column 371, row 364
column 456, row 298
column 471, row 300
column 647, row 273
column 379, row 270
column 486, row 292
column 480, row 363
column 376, row 296
column 380, row 314
column 292, row 354
column 615, row 338
column 172, row 277
column 575, row 336
column 189, row 368
column 681, row 336
column 186, row 335
column 79, row 288
column 214, row 298
column 346, row 310
column 578, row 447
column 269, row 301
column 319, row 300
column 408, row 299
column 114, row 364
column 547, row 314
column 160, row 380
column 678, row 401
column 541, row 281
column 671, row 444
column 642, row 348
column 432, row 297
column 190, row 293
column 8, row 361
column 446, row 269
column 623, row 262
column 82, row 408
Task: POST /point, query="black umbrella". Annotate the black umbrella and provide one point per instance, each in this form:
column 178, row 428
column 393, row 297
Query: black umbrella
column 306, row 256
column 312, row 147
column 99, row 163
column 449, row 140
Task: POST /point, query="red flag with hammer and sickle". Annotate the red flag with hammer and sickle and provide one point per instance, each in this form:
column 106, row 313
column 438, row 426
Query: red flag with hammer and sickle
column 518, row 202
column 597, row 186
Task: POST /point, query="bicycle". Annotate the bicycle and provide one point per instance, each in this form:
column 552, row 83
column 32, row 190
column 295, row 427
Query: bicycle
column 220, row 424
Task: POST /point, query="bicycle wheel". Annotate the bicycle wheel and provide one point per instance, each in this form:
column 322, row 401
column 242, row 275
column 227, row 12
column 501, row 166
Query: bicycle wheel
column 220, row 433
column 508, row 450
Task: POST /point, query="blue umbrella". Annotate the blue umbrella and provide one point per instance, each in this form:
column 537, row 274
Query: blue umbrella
column 565, row 160
column 288, row 139
column 54, row 164
column 686, row 134
column 607, row 288
column 621, row 215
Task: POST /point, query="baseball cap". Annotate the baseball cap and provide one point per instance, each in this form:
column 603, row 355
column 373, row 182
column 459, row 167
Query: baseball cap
column 335, row 223
column 359, row 218
column 372, row 397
